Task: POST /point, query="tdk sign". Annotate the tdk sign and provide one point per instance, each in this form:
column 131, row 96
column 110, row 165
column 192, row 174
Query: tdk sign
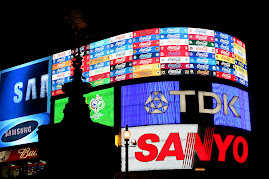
column 159, row 104
column 201, row 95
column 165, row 103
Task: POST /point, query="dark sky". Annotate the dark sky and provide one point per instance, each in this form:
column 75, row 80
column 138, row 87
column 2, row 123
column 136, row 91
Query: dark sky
column 37, row 30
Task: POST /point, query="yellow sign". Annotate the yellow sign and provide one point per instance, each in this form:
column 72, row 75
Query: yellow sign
column 61, row 65
column 99, row 60
column 147, row 73
column 152, row 67
column 225, row 58
column 240, row 59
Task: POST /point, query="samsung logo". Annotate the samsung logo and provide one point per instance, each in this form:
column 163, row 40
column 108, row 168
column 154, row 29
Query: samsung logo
column 19, row 131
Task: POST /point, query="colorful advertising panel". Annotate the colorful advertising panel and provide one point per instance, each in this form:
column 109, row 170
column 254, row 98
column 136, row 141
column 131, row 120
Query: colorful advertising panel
column 160, row 147
column 18, row 154
column 149, row 103
column 22, row 130
column 101, row 104
column 236, row 113
column 115, row 58
column 61, row 71
column 24, row 90
column 24, row 102
column 180, row 146
column 163, row 102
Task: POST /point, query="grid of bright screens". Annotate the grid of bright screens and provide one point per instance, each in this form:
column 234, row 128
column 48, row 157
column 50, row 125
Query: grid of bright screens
column 101, row 104
column 155, row 52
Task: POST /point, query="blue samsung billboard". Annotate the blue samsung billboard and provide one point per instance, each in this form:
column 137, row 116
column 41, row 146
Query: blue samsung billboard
column 24, row 101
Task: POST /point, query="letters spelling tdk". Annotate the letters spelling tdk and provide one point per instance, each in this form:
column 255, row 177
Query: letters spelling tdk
column 201, row 95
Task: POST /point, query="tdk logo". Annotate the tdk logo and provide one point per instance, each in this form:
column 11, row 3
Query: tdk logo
column 157, row 103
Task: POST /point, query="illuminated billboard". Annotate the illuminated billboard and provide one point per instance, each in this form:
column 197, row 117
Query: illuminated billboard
column 62, row 67
column 24, row 102
column 22, row 130
column 180, row 146
column 156, row 52
column 163, row 102
column 235, row 115
column 160, row 147
column 149, row 103
column 101, row 104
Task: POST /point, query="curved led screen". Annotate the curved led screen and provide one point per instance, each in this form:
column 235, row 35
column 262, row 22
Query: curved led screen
column 155, row 52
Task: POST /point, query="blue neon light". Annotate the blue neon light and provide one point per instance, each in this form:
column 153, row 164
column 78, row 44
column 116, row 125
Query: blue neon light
column 133, row 107
column 241, row 106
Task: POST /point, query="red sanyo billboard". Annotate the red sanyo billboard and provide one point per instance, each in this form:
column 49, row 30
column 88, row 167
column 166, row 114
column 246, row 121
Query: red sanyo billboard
column 177, row 127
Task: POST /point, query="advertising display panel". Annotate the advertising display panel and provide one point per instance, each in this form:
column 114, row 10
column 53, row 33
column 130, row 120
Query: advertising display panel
column 146, row 32
column 59, row 106
column 121, row 60
column 146, row 44
column 99, row 62
column 18, row 154
column 24, row 90
column 61, row 71
column 149, row 103
column 121, row 77
column 160, row 147
column 101, row 104
column 119, row 56
column 24, row 101
column 22, row 130
column 174, row 30
column 237, row 114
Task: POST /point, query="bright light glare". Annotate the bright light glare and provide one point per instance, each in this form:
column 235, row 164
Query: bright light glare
column 126, row 134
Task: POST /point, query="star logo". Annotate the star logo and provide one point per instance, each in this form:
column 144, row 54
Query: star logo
column 156, row 103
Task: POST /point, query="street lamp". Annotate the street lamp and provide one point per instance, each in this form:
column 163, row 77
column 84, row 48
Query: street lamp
column 126, row 135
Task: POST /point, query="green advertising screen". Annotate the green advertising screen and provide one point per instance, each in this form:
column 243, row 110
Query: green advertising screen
column 59, row 109
column 101, row 104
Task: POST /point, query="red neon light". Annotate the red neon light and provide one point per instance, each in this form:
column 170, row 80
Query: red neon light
column 244, row 156
column 178, row 152
column 223, row 146
column 203, row 150
column 153, row 150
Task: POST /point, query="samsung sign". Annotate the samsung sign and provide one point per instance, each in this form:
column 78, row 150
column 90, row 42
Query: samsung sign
column 162, row 103
column 24, row 102
column 22, row 130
